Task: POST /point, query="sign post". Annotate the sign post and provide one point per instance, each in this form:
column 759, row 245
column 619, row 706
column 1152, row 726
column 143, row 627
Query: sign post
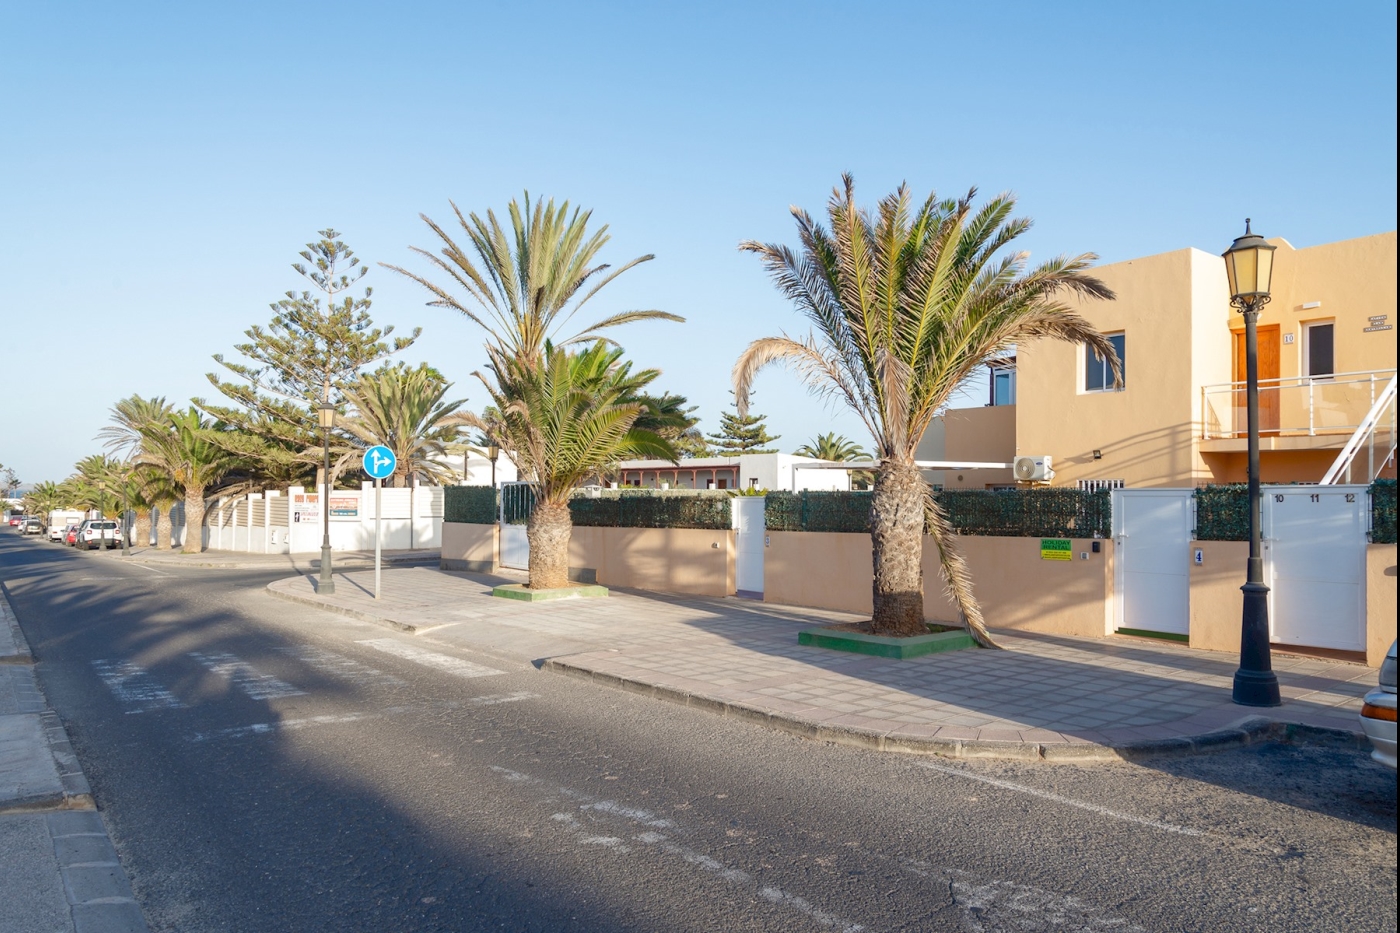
column 379, row 463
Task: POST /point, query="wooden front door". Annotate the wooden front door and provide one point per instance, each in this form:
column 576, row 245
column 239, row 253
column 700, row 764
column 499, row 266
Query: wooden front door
column 1269, row 347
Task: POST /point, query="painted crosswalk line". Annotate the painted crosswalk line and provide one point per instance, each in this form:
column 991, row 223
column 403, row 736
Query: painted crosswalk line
column 245, row 677
column 337, row 665
column 441, row 662
column 134, row 687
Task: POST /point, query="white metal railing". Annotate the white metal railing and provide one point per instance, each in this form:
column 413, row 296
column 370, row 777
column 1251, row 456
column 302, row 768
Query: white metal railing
column 1378, row 425
column 1294, row 406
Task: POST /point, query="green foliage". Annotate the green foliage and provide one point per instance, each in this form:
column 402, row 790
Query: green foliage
column 670, row 417
column 832, row 446
column 1021, row 513
column 315, row 345
column 472, row 505
column 404, row 409
column 1222, row 512
column 652, row 508
column 1383, row 511
column 742, row 434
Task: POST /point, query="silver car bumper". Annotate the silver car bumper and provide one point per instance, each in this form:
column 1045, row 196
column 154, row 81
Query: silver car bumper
column 1381, row 732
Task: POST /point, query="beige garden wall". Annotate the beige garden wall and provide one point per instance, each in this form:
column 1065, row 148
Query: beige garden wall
column 1380, row 601
column 469, row 547
column 1217, row 604
column 1017, row 590
column 689, row 561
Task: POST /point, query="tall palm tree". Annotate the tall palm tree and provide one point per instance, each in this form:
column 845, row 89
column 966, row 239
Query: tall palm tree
column 403, row 409
column 526, row 283
column 832, row 446
column 561, row 420
column 906, row 305
column 130, row 417
column 185, row 451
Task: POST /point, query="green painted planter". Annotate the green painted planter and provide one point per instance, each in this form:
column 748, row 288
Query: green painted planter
column 882, row 645
column 522, row 592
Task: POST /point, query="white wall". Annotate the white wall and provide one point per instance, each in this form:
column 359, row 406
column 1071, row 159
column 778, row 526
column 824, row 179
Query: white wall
column 235, row 527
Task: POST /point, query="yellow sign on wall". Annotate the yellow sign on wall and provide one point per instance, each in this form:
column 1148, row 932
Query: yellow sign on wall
column 1055, row 549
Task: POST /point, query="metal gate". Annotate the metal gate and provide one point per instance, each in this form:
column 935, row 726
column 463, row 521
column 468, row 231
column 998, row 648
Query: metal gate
column 517, row 502
column 748, row 545
column 1315, row 564
column 1152, row 586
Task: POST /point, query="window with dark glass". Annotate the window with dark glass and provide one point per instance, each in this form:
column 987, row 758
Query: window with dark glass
column 1098, row 373
column 1320, row 349
column 1003, row 387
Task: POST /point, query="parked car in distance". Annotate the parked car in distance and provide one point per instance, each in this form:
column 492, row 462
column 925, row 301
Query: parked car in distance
column 1378, row 713
column 70, row 534
column 60, row 519
column 15, row 520
column 94, row 532
column 31, row 526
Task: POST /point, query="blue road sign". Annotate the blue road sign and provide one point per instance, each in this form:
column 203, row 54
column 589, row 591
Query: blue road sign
column 380, row 462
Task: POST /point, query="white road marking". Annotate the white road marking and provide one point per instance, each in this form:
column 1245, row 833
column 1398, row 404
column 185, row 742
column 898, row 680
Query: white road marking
column 135, row 687
column 266, row 728
column 245, row 677
column 493, row 699
column 663, row 843
column 1068, row 801
column 442, row 662
column 163, row 573
column 337, row 665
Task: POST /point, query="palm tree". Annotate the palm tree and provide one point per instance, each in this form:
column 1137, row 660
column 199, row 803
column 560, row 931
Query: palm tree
column 130, row 417
column 184, row 450
column 832, row 446
column 528, row 284
column 562, row 420
column 906, row 306
column 403, row 409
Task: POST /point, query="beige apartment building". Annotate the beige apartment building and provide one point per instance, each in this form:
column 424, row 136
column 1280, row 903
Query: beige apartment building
column 1326, row 351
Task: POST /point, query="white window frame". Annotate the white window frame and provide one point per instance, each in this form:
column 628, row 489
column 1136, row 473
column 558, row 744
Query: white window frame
column 1086, row 353
column 1307, row 349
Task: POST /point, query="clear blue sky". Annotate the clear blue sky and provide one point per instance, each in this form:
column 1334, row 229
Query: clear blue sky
column 161, row 164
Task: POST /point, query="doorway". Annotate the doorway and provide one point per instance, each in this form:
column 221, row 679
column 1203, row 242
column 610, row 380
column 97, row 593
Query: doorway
column 1269, row 340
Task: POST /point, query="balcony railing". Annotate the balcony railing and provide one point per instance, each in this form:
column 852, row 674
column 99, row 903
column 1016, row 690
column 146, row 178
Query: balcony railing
column 1298, row 406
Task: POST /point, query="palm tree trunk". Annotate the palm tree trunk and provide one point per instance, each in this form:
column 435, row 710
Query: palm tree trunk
column 164, row 531
column 194, row 520
column 897, row 537
column 955, row 575
column 548, row 532
column 141, row 529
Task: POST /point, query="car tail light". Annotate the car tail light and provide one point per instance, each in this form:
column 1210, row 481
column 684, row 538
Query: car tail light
column 1377, row 712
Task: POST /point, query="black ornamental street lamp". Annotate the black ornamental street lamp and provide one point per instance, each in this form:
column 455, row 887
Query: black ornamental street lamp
column 126, row 508
column 492, row 452
column 1249, row 263
column 326, row 585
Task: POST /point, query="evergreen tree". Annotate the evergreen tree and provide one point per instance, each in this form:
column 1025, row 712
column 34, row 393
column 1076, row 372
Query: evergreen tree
column 317, row 343
column 743, row 434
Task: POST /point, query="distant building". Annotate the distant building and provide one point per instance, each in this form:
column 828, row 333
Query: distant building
column 745, row 471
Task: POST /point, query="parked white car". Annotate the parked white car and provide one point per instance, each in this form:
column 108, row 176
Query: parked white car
column 94, row 532
column 1378, row 713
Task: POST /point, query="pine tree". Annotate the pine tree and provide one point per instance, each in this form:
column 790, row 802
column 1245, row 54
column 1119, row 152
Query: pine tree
column 742, row 434
column 315, row 345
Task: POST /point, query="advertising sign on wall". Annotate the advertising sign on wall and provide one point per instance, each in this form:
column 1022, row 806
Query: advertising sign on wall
column 1055, row 549
column 306, row 508
column 345, row 506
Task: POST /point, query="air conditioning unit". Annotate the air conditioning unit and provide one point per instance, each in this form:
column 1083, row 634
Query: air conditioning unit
column 1033, row 469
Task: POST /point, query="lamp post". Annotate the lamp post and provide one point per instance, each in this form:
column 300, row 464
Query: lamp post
column 101, row 513
column 493, row 452
column 326, row 585
column 1249, row 263
column 126, row 507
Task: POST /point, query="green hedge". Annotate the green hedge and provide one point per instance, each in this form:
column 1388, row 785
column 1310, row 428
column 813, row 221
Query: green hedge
column 1028, row 513
column 651, row 508
column 1383, row 511
column 472, row 505
column 1222, row 512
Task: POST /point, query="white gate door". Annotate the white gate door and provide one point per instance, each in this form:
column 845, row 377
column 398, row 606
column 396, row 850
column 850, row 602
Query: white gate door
column 748, row 545
column 1315, row 565
column 1152, row 588
column 517, row 502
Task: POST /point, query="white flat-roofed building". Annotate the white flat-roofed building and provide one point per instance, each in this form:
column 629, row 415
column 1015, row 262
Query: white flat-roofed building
column 745, row 471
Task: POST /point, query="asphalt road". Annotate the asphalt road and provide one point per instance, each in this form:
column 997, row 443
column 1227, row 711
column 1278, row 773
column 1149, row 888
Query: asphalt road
column 264, row 766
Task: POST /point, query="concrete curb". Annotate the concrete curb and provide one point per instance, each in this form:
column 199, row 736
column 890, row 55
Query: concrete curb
column 405, row 627
column 1250, row 731
column 312, row 565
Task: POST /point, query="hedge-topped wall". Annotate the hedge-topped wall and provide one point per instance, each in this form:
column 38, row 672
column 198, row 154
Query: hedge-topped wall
column 652, row 508
column 471, row 505
column 1020, row 513
column 1383, row 511
column 1222, row 512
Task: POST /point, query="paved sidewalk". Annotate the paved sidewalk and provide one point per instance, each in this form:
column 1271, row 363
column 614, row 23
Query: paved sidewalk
column 58, row 870
column 292, row 563
column 1045, row 697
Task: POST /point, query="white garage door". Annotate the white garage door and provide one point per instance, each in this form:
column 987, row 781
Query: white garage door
column 1152, row 531
column 1315, row 565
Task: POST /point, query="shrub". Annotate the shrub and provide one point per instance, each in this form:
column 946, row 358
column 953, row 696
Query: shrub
column 1030, row 513
column 652, row 508
column 473, row 505
column 1383, row 511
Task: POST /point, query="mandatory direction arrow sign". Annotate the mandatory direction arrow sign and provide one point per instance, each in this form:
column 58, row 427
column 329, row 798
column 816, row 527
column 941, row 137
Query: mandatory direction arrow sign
column 380, row 462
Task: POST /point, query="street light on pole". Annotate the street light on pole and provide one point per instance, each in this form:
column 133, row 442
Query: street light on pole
column 326, row 585
column 493, row 452
column 126, row 507
column 1249, row 263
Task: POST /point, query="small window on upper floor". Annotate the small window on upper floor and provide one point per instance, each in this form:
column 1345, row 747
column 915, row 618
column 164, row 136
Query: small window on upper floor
column 1003, row 385
column 1318, row 355
column 1098, row 374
